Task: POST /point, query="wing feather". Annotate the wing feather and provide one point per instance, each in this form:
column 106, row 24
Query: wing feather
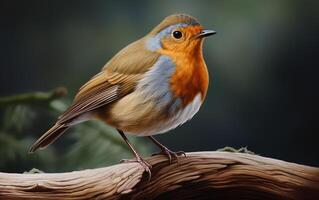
column 117, row 79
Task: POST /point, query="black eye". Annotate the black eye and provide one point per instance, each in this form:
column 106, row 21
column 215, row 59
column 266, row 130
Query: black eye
column 177, row 34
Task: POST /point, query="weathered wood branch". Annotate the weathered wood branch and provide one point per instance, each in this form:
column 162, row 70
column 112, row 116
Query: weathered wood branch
column 202, row 175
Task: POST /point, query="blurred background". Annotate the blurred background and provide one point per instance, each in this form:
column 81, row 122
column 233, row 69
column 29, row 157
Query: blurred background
column 263, row 65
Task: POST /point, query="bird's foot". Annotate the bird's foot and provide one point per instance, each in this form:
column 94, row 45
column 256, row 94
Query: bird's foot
column 147, row 167
column 171, row 154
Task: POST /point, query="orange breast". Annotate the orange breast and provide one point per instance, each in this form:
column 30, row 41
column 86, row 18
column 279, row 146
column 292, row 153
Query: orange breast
column 191, row 75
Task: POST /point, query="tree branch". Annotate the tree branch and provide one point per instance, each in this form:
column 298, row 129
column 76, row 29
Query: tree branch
column 202, row 175
column 33, row 98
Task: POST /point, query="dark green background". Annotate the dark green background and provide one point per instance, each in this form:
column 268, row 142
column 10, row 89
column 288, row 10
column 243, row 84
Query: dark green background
column 263, row 66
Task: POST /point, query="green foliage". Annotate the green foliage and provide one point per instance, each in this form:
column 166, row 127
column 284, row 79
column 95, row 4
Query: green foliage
column 13, row 141
column 33, row 171
column 233, row 150
column 87, row 145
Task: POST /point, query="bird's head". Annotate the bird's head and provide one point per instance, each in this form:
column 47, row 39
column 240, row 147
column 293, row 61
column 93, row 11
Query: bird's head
column 178, row 33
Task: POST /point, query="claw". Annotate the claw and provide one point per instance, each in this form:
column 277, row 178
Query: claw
column 170, row 154
column 147, row 167
column 181, row 153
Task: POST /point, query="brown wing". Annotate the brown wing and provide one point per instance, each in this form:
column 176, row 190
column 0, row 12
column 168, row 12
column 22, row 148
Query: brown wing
column 101, row 90
column 117, row 79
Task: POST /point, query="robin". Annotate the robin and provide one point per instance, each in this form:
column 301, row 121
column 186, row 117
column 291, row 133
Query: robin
column 151, row 86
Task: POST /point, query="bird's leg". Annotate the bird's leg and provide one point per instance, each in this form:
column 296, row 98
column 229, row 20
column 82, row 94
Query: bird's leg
column 138, row 158
column 166, row 151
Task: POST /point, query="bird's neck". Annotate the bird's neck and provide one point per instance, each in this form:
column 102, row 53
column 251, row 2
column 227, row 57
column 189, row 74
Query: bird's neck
column 191, row 76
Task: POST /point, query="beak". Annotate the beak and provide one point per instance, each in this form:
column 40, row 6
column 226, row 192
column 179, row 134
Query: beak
column 205, row 33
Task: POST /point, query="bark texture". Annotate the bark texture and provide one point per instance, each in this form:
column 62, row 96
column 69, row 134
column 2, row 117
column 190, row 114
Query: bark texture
column 200, row 175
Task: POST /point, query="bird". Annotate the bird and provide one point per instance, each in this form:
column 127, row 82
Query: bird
column 151, row 86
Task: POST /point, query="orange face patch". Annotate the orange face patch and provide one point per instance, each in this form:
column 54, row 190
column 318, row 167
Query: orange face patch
column 191, row 75
column 186, row 43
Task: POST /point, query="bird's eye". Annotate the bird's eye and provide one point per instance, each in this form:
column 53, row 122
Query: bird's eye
column 177, row 34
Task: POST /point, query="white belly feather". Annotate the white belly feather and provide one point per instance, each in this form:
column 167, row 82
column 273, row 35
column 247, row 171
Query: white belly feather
column 177, row 119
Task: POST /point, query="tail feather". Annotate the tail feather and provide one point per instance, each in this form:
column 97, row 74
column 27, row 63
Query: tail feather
column 49, row 137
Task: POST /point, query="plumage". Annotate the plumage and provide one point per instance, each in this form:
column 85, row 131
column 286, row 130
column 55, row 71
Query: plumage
column 49, row 137
column 174, row 19
column 165, row 90
column 151, row 86
column 117, row 79
column 133, row 59
column 191, row 75
column 147, row 103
